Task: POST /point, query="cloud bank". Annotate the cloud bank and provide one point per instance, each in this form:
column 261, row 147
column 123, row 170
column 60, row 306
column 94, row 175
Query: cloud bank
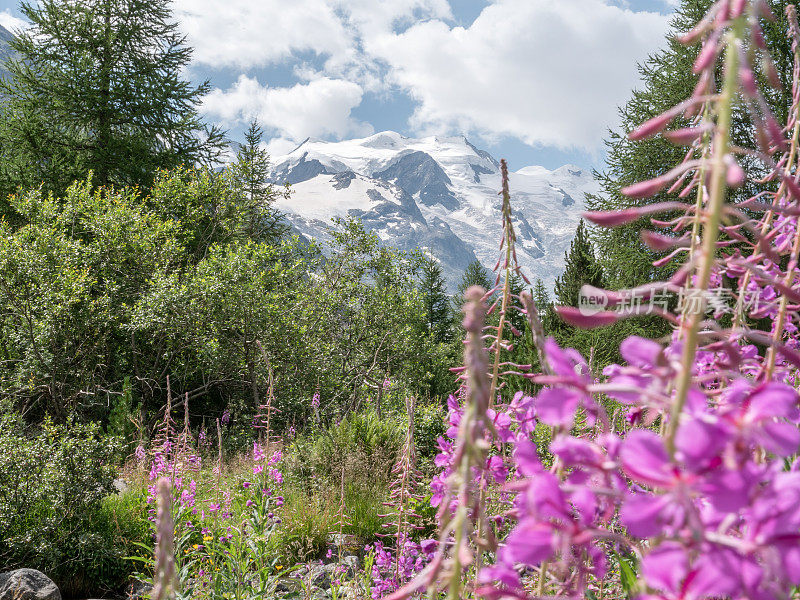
column 549, row 73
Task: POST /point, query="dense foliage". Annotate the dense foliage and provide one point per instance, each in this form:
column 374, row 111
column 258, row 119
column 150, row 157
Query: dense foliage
column 55, row 509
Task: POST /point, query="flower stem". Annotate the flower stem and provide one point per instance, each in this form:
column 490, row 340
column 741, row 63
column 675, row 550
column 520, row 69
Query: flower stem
column 692, row 319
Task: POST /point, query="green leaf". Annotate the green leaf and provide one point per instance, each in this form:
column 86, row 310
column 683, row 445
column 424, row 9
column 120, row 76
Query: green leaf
column 627, row 570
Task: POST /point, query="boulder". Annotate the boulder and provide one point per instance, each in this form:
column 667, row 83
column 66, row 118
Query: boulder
column 27, row 584
column 138, row 589
column 318, row 576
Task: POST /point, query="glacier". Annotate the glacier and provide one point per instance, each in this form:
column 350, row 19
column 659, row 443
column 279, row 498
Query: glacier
column 438, row 194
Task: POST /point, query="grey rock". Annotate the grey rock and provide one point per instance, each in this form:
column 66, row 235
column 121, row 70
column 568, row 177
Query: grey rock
column 418, row 173
column 139, row 589
column 27, row 584
column 319, row 576
column 483, row 154
column 302, row 171
column 351, row 562
column 343, row 180
column 479, row 170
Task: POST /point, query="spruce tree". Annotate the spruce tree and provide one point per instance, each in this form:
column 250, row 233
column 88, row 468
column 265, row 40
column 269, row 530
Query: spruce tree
column 667, row 79
column 544, row 305
column 517, row 320
column 251, row 175
column 435, row 302
column 581, row 268
column 475, row 274
column 97, row 85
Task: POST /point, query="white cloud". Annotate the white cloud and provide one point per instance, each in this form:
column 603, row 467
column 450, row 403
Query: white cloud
column 244, row 33
column 315, row 109
column 11, row 22
column 280, row 146
column 248, row 33
column 547, row 72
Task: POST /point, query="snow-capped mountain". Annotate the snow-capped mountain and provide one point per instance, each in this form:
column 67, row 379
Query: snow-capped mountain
column 6, row 52
column 438, row 194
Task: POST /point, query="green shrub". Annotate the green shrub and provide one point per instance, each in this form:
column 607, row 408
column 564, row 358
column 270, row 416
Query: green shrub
column 428, row 427
column 124, row 420
column 57, row 513
column 363, row 445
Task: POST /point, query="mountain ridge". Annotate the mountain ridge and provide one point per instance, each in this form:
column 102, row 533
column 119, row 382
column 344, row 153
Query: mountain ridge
column 390, row 181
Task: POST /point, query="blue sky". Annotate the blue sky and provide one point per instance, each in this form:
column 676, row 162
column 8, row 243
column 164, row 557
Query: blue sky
column 534, row 81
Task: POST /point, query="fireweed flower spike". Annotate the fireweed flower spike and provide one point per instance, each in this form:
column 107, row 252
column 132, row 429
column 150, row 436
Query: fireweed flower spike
column 410, row 557
column 461, row 509
column 164, row 577
column 711, row 509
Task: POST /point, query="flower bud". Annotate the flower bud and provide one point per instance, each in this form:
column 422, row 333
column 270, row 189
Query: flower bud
column 575, row 317
column 707, row 54
column 735, row 175
column 687, row 135
column 644, row 189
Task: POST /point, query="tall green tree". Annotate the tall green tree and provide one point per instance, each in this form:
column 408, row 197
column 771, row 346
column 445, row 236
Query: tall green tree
column 251, row 175
column 544, row 305
column 581, row 268
column 97, row 85
column 667, row 79
column 475, row 274
column 435, row 302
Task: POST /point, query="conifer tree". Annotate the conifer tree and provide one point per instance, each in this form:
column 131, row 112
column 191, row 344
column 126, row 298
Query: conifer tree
column 475, row 274
column 544, row 305
column 517, row 320
column 96, row 85
column 251, row 175
column 581, row 268
column 435, row 301
column 667, row 80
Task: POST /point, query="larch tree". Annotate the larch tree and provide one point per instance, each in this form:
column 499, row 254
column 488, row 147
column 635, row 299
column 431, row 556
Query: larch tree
column 436, row 306
column 96, row 85
column 667, row 79
column 475, row 274
column 251, row 175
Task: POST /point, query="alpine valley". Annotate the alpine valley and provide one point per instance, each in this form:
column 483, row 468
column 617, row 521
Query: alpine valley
column 439, row 194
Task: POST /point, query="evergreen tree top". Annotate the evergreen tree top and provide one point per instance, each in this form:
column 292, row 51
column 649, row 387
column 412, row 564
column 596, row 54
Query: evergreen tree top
column 581, row 268
column 97, row 85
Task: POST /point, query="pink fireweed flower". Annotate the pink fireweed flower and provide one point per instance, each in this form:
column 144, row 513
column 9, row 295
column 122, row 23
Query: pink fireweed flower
column 276, row 475
column 556, row 405
column 667, row 569
column 258, row 452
